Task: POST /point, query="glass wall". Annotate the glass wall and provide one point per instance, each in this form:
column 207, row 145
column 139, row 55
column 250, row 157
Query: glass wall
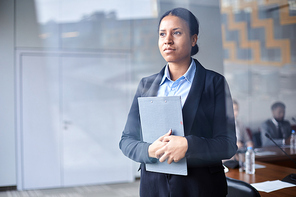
column 260, row 56
column 78, row 64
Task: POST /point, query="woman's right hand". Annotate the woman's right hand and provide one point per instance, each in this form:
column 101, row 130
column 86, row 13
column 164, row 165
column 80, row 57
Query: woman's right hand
column 158, row 144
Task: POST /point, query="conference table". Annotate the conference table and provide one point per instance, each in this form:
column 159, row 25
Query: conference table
column 277, row 166
column 274, row 155
column 271, row 172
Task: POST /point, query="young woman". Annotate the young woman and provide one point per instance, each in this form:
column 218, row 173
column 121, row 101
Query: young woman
column 207, row 117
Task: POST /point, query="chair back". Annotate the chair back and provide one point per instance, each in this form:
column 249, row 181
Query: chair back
column 257, row 139
column 249, row 132
column 237, row 188
column 293, row 127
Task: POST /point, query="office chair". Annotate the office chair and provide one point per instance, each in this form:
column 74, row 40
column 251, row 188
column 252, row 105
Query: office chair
column 249, row 132
column 240, row 188
column 257, row 139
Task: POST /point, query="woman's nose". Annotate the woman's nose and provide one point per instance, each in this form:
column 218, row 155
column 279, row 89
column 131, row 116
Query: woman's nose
column 168, row 39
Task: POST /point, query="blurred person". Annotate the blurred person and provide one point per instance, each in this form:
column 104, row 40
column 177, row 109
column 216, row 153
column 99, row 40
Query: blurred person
column 242, row 136
column 277, row 128
column 208, row 118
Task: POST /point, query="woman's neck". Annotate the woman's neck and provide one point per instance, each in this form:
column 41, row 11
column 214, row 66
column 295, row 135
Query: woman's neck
column 178, row 70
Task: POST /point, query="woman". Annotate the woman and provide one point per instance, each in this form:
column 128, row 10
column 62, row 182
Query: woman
column 243, row 137
column 207, row 117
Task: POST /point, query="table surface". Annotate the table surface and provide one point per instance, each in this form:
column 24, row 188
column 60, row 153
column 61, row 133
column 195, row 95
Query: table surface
column 278, row 157
column 270, row 173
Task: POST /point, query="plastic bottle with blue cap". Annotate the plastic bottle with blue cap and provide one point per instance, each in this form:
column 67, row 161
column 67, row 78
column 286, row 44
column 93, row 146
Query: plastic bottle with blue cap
column 293, row 140
column 250, row 161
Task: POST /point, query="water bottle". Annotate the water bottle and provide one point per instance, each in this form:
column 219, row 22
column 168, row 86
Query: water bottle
column 250, row 161
column 293, row 140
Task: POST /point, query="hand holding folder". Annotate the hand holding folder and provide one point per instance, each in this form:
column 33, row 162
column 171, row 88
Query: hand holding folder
column 158, row 144
column 158, row 115
column 174, row 150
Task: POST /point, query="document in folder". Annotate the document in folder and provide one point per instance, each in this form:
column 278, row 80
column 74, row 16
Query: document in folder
column 158, row 115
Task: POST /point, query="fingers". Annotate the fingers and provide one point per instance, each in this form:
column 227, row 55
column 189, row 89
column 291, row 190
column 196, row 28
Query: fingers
column 166, row 139
column 174, row 150
column 169, row 158
column 165, row 135
column 170, row 148
column 163, row 158
column 160, row 153
column 154, row 147
column 164, row 154
column 169, row 132
column 158, row 144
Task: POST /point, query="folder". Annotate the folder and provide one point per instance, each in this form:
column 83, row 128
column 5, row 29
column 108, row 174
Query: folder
column 158, row 115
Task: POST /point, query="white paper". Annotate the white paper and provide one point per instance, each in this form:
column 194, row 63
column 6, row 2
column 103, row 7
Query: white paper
column 270, row 186
column 258, row 166
column 225, row 169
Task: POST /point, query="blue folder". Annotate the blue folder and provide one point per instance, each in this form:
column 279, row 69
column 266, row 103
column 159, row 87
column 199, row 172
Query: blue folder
column 158, row 115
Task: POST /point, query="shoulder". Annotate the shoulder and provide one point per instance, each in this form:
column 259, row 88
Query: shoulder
column 267, row 123
column 146, row 82
column 149, row 84
column 151, row 78
column 148, row 79
column 214, row 76
column 208, row 72
column 287, row 123
column 210, row 75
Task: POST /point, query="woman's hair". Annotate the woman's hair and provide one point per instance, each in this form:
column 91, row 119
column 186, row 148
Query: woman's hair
column 190, row 19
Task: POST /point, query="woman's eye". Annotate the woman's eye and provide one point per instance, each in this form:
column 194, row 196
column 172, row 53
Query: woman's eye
column 177, row 33
column 161, row 34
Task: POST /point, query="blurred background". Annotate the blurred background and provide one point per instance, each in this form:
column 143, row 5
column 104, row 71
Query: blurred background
column 69, row 71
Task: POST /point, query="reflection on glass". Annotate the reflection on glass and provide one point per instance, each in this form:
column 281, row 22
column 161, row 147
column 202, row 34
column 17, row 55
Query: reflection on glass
column 259, row 55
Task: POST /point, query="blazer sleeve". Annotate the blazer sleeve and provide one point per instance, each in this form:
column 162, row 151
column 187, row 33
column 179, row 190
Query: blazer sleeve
column 213, row 136
column 131, row 143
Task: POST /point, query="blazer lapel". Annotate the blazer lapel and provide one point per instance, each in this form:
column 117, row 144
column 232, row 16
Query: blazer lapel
column 152, row 91
column 191, row 104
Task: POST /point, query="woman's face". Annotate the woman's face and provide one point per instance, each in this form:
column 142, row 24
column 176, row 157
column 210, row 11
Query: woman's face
column 174, row 41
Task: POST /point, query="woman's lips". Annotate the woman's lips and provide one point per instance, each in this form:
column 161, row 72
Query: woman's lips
column 168, row 50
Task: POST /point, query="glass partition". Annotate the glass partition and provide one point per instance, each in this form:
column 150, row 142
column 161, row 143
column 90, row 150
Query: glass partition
column 260, row 56
column 102, row 48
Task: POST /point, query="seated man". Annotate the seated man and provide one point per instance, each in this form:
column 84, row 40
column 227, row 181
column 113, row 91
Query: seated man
column 243, row 138
column 277, row 127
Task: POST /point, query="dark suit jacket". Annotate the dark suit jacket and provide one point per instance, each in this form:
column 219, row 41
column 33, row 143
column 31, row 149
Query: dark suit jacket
column 269, row 127
column 209, row 129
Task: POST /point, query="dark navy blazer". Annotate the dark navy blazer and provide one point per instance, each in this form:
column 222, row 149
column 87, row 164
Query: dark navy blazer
column 209, row 129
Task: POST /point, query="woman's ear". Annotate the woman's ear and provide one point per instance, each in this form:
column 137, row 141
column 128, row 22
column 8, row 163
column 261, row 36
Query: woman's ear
column 194, row 40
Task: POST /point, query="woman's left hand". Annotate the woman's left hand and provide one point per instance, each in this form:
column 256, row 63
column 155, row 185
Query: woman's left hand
column 174, row 150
